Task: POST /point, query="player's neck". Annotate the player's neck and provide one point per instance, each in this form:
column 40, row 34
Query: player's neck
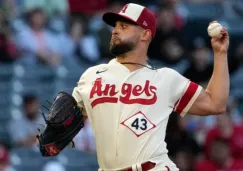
column 133, row 57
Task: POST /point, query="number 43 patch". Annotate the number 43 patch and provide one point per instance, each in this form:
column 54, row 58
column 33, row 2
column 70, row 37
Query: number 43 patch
column 138, row 124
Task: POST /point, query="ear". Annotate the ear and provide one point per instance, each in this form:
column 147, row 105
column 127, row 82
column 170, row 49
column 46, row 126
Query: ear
column 146, row 35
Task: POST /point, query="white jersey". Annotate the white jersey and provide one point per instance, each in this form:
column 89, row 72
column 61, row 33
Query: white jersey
column 129, row 111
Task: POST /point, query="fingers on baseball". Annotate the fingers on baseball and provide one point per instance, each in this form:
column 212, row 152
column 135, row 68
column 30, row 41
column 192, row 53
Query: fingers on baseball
column 217, row 38
column 224, row 29
column 223, row 34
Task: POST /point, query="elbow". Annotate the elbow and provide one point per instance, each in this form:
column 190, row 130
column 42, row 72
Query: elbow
column 220, row 110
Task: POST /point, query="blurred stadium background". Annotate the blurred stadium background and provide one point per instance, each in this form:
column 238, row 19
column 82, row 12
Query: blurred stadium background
column 45, row 46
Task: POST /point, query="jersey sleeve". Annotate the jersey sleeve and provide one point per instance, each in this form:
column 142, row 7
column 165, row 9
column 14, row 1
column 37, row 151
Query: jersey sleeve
column 78, row 89
column 77, row 92
column 183, row 92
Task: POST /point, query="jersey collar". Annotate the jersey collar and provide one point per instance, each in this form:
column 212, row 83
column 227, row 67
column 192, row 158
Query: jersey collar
column 114, row 61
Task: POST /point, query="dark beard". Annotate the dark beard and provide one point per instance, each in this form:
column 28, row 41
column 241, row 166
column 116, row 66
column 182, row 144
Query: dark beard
column 121, row 48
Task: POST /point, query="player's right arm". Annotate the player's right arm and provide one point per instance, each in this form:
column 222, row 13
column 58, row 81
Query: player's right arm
column 188, row 97
column 213, row 100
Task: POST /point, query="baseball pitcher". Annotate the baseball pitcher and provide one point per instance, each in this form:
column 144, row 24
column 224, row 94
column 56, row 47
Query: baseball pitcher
column 128, row 101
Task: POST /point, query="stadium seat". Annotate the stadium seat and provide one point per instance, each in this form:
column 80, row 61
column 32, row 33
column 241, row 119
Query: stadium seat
column 5, row 113
column 68, row 82
column 26, row 157
column 235, row 26
column 73, row 157
column 75, row 64
column 80, row 168
column 47, row 90
column 204, row 10
column 4, row 134
column 6, row 72
column 23, row 87
column 25, row 79
column 198, row 18
column 236, row 84
column 37, row 167
column 27, row 72
column 5, row 86
column 46, row 73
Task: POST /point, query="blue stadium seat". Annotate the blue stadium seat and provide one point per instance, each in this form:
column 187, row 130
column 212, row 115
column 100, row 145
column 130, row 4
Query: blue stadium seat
column 75, row 158
column 235, row 26
column 46, row 73
column 26, row 79
column 26, row 157
column 25, row 152
column 204, row 10
column 236, row 84
column 37, row 167
column 5, row 86
column 26, row 72
column 80, row 168
column 4, row 134
column 6, row 71
column 199, row 16
column 69, row 81
column 74, row 64
column 47, row 90
column 5, row 113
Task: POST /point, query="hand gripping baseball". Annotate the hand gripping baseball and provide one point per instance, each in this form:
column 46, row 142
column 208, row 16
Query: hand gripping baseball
column 220, row 44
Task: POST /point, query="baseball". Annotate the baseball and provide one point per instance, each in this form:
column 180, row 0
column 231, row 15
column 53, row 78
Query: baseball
column 214, row 29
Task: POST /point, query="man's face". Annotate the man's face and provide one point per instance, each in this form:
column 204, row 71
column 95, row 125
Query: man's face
column 219, row 152
column 125, row 37
column 38, row 19
column 31, row 109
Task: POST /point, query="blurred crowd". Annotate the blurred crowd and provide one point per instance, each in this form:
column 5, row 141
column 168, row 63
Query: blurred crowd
column 58, row 33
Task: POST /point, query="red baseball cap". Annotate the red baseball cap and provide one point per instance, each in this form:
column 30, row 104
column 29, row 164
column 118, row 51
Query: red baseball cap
column 135, row 13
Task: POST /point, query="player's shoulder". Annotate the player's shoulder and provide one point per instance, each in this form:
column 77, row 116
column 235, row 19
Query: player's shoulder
column 167, row 71
column 170, row 74
column 93, row 69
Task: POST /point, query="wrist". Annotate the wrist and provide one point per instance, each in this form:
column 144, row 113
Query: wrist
column 220, row 54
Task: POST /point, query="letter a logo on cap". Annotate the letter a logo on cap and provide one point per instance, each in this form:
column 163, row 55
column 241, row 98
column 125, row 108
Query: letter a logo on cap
column 136, row 13
column 123, row 10
column 145, row 23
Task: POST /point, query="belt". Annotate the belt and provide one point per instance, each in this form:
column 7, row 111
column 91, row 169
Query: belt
column 145, row 166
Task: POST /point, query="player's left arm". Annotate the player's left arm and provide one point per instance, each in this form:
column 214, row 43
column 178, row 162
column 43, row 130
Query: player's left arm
column 213, row 100
column 77, row 92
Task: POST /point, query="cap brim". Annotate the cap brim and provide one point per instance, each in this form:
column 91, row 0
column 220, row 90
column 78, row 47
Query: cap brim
column 111, row 18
